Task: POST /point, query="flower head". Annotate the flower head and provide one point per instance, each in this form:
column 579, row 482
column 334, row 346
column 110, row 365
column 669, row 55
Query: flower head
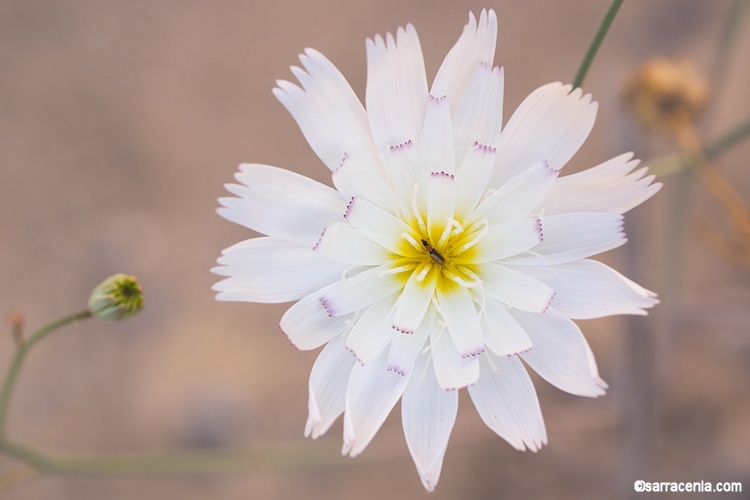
column 449, row 250
column 118, row 297
column 665, row 94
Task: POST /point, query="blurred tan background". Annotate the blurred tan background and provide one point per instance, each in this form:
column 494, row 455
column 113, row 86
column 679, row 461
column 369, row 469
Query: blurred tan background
column 121, row 121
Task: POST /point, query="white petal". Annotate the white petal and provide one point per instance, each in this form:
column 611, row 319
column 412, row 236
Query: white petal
column 408, row 174
column 550, row 125
column 594, row 369
column 355, row 178
column 307, row 324
column 269, row 271
column 588, row 289
column 480, row 114
column 508, row 239
column 344, row 243
column 452, row 370
column 502, row 333
column 461, row 318
column 414, row 301
column 507, row 402
column 282, row 204
column 381, row 227
column 559, row 353
column 396, row 93
column 327, row 386
column 475, row 46
column 574, row 236
column 406, row 346
column 327, row 111
column 357, row 292
column 613, row 186
column 371, row 395
column 428, row 413
column 441, row 200
column 436, row 143
column 514, row 288
column 472, row 177
column 372, row 332
column 517, row 197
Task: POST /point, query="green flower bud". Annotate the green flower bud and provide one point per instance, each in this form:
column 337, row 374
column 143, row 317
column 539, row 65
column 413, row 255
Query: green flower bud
column 118, row 297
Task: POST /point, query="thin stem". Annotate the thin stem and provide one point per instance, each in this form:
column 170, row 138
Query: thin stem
column 596, row 42
column 15, row 366
column 719, row 187
column 727, row 40
column 221, row 461
column 727, row 140
column 672, row 164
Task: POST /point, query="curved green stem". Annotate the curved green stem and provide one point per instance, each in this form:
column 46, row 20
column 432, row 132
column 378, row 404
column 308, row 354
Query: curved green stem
column 727, row 41
column 596, row 42
column 727, row 140
column 19, row 357
column 675, row 163
column 221, row 461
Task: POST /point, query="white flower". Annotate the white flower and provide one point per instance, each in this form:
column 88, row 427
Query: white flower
column 449, row 251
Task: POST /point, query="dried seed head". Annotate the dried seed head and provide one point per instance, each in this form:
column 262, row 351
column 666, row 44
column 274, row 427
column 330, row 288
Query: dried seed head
column 665, row 94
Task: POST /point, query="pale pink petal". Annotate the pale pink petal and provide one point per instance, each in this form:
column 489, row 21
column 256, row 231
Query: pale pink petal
column 559, row 354
column 396, row 93
column 574, row 236
column 414, row 301
column 460, row 316
column 381, row 227
column 268, row 270
column 360, row 291
column 479, row 116
column 501, row 332
column 472, row 177
column 549, row 125
column 327, row 111
column 307, row 324
column 355, row 179
column 344, row 243
column 518, row 196
column 327, row 386
column 282, row 204
column 407, row 174
column 428, row 413
column 588, row 289
column 594, row 369
column 441, row 200
column 372, row 332
column 506, row 400
column 613, row 187
column 452, row 370
column 372, row 393
column 508, row 239
column 514, row 288
column 405, row 347
column 476, row 46
column 436, row 142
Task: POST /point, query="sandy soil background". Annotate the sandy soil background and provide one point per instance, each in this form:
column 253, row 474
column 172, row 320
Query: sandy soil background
column 121, row 121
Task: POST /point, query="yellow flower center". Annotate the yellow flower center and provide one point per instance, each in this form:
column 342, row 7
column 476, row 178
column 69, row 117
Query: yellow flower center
column 449, row 254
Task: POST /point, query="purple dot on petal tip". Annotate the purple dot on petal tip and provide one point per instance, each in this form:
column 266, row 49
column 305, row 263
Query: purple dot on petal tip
column 341, row 163
column 315, row 247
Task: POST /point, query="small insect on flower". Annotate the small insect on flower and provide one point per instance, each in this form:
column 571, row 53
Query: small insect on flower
column 379, row 266
column 433, row 253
